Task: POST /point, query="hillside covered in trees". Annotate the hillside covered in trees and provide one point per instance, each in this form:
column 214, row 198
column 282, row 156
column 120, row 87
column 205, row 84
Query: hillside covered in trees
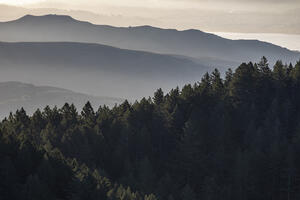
column 236, row 138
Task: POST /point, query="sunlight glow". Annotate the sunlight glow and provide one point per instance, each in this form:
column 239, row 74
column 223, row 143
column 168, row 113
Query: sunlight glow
column 19, row 2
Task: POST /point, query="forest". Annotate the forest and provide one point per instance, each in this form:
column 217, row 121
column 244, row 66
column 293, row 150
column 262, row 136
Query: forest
column 231, row 138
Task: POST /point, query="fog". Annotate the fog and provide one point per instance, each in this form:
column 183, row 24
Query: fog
column 95, row 69
column 94, row 83
column 15, row 95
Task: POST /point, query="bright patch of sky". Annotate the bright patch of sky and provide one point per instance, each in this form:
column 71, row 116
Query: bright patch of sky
column 284, row 40
column 20, row 2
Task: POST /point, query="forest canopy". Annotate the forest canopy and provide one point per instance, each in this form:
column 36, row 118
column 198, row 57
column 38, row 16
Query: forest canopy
column 235, row 138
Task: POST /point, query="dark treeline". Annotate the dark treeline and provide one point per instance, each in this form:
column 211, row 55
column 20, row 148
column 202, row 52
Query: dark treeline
column 232, row 139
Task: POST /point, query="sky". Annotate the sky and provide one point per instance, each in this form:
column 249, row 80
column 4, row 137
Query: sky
column 227, row 5
column 289, row 41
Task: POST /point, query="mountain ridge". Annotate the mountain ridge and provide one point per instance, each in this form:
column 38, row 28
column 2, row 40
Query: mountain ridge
column 191, row 42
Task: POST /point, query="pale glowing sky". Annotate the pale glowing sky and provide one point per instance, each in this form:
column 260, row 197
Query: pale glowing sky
column 19, row 2
column 289, row 41
column 230, row 5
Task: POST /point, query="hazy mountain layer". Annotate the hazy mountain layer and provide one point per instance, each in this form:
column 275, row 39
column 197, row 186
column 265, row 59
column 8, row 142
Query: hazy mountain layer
column 95, row 69
column 192, row 43
column 15, row 95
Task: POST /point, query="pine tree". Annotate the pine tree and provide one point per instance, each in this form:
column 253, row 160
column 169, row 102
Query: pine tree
column 158, row 97
column 187, row 193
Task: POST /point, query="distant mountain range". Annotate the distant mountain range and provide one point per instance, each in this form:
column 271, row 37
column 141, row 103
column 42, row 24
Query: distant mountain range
column 191, row 43
column 132, row 62
column 15, row 95
column 95, row 69
column 284, row 21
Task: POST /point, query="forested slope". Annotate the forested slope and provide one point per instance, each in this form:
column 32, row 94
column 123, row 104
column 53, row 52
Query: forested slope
column 229, row 139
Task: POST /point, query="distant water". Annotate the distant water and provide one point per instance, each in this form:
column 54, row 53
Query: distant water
column 291, row 42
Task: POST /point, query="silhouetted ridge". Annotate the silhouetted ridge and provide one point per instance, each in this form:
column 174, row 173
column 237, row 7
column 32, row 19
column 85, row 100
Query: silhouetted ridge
column 151, row 28
column 46, row 18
